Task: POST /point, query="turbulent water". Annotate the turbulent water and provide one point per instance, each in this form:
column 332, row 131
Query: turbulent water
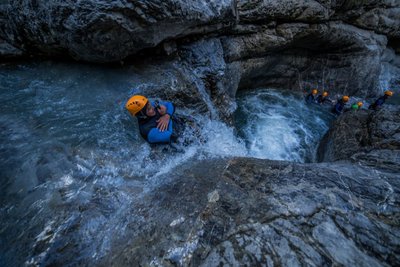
column 279, row 125
column 72, row 162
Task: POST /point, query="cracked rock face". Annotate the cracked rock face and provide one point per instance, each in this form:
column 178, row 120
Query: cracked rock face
column 370, row 138
column 254, row 212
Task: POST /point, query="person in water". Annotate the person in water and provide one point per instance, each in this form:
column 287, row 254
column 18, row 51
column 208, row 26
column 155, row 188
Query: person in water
column 154, row 118
column 380, row 101
column 311, row 97
column 323, row 99
column 339, row 107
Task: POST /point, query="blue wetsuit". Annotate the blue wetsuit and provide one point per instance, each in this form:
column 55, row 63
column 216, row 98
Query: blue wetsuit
column 338, row 109
column 378, row 103
column 148, row 126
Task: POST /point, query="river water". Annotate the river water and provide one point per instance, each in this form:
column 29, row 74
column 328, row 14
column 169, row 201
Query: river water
column 72, row 161
column 279, row 125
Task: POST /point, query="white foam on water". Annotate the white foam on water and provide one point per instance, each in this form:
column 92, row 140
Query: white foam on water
column 221, row 141
column 272, row 142
column 278, row 125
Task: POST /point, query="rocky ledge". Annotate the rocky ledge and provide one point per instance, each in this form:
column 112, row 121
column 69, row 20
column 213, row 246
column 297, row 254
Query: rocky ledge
column 366, row 137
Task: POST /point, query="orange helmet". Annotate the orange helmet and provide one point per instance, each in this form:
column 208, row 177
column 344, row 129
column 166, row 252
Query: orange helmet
column 325, row 94
column 388, row 93
column 135, row 104
column 359, row 104
column 345, row 98
column 314, row 92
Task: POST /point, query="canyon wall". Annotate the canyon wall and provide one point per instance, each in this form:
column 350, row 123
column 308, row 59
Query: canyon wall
column 340, row 46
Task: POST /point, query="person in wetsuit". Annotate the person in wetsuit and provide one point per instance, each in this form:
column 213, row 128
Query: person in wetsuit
column 323, row 99
column 155, row 119
column 380, row 101
column 339, row 107
column 311, row 97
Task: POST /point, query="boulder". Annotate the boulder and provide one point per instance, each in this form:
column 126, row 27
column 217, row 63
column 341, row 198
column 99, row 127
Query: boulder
column 104, row 31
column 367, row 137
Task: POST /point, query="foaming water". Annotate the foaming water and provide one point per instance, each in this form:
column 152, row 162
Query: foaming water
column 222, row 141
column 279, row 125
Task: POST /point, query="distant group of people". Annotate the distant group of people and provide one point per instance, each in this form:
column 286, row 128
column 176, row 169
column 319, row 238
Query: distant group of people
column 340, row 104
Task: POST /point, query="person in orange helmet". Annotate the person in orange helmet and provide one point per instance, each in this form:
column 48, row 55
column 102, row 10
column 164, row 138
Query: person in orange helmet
column 154, row 118
column 377, row 105
column 311, row 97
column 323, row 98
column 339, row 107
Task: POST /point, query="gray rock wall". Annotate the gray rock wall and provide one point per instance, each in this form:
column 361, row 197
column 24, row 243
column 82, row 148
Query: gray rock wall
column 296, row 55
column 333, row 45
column 367, row 137
column 104, row 31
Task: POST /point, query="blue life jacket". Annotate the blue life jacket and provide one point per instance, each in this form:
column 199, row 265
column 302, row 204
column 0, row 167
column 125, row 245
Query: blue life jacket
column 148, row 126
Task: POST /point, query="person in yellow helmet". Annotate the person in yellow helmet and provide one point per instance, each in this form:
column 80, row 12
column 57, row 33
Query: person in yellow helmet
column 311, row 97
column 339, row 107
column 377, row 105
column 154, row 118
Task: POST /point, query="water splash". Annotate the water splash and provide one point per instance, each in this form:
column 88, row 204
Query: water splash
column 279, row 125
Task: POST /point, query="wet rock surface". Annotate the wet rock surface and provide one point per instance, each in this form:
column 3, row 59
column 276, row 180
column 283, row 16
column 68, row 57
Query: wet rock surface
column 367, row 137
column 250, row 212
